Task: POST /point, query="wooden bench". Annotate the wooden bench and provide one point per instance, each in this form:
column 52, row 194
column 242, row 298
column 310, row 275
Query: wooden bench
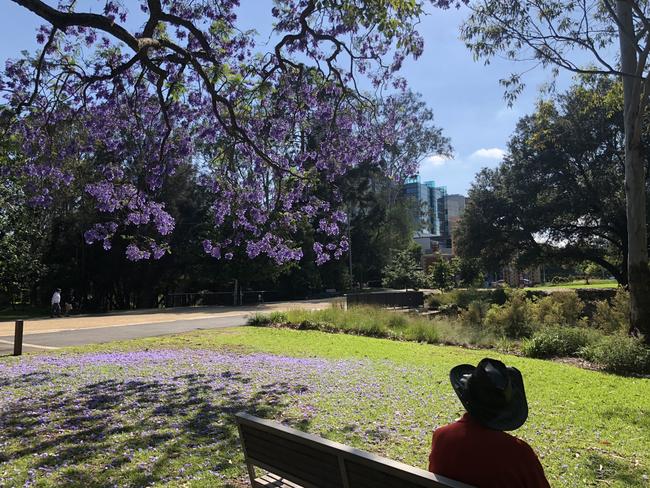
column 290, row 458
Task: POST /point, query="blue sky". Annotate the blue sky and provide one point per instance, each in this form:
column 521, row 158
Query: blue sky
column 465, row 95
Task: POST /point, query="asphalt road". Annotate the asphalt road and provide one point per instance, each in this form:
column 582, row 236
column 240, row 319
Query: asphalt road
column 107, row 334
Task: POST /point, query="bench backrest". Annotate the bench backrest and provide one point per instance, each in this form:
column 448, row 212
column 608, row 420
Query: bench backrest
column 314, row 462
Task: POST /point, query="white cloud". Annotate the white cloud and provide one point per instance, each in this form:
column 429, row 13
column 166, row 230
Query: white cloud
column 493, row 153
column 436, row 160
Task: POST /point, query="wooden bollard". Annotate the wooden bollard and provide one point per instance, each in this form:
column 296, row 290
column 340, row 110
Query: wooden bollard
column 18, row 338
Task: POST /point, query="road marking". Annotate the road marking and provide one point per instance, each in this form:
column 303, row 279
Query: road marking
column 30, row 345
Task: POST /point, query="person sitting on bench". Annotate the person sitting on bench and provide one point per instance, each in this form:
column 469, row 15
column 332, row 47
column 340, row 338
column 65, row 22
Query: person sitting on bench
column 475, row 449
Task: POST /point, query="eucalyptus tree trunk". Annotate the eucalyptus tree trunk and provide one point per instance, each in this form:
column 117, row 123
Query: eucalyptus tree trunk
column 633, row 95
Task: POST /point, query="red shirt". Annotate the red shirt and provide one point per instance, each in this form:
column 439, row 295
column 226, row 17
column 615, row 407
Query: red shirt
column 468, row 452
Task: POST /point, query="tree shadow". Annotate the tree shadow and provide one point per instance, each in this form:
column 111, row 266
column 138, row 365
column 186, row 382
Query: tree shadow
column 609, row 469
column 138, row 432
column 35, row 378
column 639, row 417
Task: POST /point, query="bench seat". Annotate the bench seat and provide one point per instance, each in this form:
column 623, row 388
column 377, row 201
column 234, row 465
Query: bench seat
column 270, row 480
column 289, row 458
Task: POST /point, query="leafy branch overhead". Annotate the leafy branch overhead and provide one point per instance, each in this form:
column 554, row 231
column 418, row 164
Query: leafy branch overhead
column 580, row 37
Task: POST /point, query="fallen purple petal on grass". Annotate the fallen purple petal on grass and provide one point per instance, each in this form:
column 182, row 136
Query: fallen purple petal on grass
column 167, row 414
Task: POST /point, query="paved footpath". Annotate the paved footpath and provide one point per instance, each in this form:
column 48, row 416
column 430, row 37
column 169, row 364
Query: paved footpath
column 50, row 334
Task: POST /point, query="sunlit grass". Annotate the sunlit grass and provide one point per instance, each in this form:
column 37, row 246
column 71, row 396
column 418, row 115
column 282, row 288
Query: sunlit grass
column 158, row 411
column 576, row 284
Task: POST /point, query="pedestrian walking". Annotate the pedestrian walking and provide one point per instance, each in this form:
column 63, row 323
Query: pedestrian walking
column 56, row 303
column 69, row 304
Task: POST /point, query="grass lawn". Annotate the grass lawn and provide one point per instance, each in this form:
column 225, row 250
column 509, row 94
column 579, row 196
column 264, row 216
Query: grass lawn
column 158, row 411
column 577, row 284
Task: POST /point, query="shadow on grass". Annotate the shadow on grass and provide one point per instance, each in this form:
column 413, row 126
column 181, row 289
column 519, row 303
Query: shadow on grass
column 35, row 378
column 134, row 433
column 610, row 469
column 639, row 417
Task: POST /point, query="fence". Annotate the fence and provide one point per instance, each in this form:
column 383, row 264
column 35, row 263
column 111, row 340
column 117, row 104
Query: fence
column 393, row 299
column 224, row 298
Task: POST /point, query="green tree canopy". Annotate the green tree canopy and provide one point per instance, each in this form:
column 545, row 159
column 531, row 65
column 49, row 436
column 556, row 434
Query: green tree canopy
column 442, row 274
column 577, row 36
column 403, row 271
column 559, row 193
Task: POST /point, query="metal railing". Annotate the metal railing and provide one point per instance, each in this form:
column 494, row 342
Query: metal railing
column 221, row 298
column 392, row 299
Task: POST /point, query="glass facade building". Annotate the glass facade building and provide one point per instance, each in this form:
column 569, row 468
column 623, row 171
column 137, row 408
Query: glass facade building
column 430, row 212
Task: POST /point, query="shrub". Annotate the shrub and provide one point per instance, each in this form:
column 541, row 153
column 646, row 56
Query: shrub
column 619, row 354
column 475, row 314
column 559, row 309
column 453, row 332
column 278, row 317
column 464, row 298
column 309, row 325
column 499, row 296
column 442, row 274
column 422, row 332
column 438, row 300
column 433, row 301
column 259, row 320
column 397, row 321
column 364, row 320
column 372, row 328
column 559, row 341
column 513, row 319
column 377, row 322
column 613, row 316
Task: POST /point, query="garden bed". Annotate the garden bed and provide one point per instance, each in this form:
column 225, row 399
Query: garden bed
column 610, row 352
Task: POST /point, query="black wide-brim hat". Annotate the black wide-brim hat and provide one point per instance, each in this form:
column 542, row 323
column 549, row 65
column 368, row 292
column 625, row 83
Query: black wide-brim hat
column 491, row 393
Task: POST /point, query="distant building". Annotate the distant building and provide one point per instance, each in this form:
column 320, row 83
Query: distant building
column 515, row 277
column 431, row 213
column 455, row 209
column 455, row 205
column 436, row 217
column 427, row 242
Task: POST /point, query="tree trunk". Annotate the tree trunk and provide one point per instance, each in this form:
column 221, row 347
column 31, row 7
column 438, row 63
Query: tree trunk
column 637, row 263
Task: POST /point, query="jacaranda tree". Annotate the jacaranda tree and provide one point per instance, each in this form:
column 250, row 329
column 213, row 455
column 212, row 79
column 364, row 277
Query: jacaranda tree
column 135, row 93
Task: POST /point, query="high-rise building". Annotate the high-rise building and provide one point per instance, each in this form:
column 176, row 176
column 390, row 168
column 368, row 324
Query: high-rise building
column 437, row 214
column 455, row 209
column 430, row 213
column 455, row 205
